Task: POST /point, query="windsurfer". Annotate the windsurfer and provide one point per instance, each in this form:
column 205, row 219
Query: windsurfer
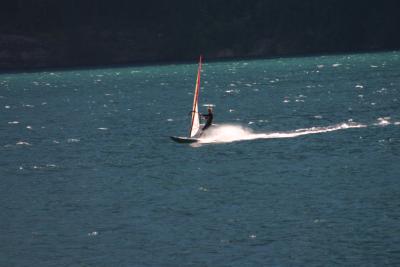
column 209, row 118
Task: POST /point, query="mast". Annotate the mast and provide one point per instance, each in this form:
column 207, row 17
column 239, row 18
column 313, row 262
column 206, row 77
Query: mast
column 195, row 122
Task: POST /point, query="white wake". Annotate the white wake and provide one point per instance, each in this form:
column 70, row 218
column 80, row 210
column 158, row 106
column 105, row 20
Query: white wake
column 226, row 133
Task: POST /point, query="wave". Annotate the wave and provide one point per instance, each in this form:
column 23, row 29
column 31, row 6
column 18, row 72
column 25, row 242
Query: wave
column 226, row 133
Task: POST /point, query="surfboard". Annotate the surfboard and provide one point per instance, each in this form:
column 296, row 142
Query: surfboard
column 181, row 139
column 194, row 129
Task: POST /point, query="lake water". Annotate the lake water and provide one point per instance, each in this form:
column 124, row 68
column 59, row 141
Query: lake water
column 303, row 168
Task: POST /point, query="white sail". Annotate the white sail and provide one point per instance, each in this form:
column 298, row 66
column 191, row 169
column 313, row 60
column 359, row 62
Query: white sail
column 195, row 122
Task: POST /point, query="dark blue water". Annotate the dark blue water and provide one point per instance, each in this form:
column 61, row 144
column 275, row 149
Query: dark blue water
column 302, row 170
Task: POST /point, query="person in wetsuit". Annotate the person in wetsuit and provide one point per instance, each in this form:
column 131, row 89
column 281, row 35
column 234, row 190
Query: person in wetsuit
column 209, row 118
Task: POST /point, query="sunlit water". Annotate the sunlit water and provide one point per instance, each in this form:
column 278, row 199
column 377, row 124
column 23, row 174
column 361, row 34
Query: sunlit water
column 302, row 168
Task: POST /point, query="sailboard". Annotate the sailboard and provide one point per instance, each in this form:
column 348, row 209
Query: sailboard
column 194, row 129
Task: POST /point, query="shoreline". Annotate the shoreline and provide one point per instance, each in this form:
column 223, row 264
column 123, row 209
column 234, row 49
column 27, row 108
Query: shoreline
column 143, row 63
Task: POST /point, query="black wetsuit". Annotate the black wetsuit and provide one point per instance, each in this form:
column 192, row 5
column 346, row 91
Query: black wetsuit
column 209, row 118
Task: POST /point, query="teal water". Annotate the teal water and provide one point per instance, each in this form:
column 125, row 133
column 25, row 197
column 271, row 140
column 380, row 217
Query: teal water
column 301, row 170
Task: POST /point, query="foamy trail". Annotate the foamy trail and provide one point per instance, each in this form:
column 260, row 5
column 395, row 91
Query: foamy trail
column 227, row 133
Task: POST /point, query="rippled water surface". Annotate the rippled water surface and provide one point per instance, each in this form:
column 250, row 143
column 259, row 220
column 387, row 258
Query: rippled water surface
column 301, row 170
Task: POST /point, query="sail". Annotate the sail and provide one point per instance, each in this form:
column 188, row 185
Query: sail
column 195, row 122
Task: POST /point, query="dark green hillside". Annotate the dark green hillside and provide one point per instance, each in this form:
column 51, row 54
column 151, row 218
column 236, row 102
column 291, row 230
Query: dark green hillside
column 47, row 33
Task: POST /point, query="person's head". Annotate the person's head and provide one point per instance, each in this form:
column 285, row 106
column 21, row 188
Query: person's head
column 209, row 109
